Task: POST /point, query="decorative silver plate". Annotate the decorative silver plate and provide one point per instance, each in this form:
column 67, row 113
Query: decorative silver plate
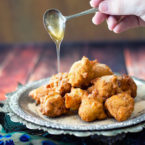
column 22, row 108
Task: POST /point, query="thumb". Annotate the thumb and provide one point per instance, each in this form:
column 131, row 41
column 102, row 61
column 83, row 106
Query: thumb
column 118, row 7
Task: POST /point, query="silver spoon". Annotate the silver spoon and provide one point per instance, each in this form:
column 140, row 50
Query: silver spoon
column 54, row 23
column 54, row 20
column 57, row 12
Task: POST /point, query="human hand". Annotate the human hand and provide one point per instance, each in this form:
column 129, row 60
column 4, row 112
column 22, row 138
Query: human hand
column 121, row 15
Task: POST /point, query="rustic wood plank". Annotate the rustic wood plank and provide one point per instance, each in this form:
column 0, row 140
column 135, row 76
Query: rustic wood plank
column 112, row 56
column 135, row 61
column 4, row 51
column 70, row 54
column 17, row 67
column 47, row 65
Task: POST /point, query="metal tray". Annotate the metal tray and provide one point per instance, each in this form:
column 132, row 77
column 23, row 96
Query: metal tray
column 22, row 108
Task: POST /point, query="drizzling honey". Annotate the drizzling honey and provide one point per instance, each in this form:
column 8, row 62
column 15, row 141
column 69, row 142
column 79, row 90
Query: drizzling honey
column 54, row 23
column 55, row 26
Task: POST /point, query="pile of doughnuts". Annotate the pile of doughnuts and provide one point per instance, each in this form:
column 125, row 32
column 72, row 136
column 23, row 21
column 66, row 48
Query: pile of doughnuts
column 89, row 89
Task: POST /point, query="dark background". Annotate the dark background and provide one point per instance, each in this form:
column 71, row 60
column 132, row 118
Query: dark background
column 21, row 21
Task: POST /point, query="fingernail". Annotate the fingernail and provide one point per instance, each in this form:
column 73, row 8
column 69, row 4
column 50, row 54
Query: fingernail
column 94, row 3
column 115, row 30
column 110, row 24
column 110, row 28
column 93, row 20
column 103, row 7
column 91, row 3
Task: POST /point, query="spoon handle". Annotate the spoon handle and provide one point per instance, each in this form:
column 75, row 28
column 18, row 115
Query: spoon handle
column 93, row 10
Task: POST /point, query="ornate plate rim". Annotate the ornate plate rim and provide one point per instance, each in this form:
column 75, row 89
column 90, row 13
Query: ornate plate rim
column 15, row 118
column 14, row 105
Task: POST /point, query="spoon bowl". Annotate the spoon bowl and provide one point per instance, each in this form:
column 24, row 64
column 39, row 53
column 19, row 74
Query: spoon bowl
column 54, row 23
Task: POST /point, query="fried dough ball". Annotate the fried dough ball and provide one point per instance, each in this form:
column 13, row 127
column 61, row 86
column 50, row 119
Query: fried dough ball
column 73, row 99
column 91, row 109
column 83, row 71
column 61, row 83
column 109, row 94
column 40, row 92
column 128, row 84
column 58, row 83
column 101, row 70
column 120, row 106
column 105, row 86
column 53, row 106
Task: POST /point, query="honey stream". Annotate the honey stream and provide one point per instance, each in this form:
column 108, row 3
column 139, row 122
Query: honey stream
column 55, row 26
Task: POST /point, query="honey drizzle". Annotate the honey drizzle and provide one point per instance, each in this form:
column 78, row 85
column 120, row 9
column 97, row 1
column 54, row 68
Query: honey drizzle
column 56, row 29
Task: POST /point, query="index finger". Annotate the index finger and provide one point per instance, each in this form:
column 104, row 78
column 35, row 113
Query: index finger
column 95, row 3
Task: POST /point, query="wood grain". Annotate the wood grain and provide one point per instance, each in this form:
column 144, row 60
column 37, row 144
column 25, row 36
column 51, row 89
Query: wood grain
column 70, row 54
column 112, row 56
column 18, row 65
column 26, row 63
column 135, row 61
column 47, row 65
column 4, row 51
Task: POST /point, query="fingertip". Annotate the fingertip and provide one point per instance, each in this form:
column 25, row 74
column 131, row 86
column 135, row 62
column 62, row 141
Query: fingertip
column 99, row 18
column 94, row 3
column 117, row 30
column 95, row 21
column 109, row 23
column 103, row 7
column 126, row 23
column 112, row 22
column 91, row 3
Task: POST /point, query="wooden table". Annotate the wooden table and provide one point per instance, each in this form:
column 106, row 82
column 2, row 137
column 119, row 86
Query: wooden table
column 29, row 62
